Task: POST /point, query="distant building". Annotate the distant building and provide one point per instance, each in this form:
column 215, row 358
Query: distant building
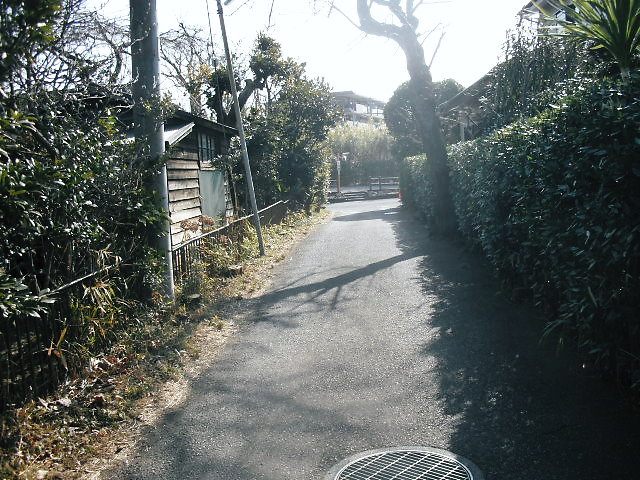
column 359, row 109
column 467, row 105
column 531, row 13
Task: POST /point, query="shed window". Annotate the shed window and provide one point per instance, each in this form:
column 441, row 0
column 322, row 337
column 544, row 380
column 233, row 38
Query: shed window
column 206, row 148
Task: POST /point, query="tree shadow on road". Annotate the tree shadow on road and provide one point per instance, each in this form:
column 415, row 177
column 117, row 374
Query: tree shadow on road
column 518, row 410
column 303, row 293
column 522, row 409
column 226, row 421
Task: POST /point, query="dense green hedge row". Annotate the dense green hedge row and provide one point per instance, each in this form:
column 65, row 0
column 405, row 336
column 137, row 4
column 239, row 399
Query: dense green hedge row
column 554, row 203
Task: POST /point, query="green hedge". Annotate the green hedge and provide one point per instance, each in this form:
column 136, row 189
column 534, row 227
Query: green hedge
column 554, row 204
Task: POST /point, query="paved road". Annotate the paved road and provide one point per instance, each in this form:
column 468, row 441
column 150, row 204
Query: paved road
column 374, row 335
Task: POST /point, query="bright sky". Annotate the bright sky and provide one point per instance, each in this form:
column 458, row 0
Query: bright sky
column 345, row 57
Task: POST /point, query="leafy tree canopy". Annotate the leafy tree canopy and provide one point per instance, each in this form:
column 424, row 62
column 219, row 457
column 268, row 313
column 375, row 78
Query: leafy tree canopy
column 267, row 70
column 285, row 139
column 23, row 26
column 399, row 116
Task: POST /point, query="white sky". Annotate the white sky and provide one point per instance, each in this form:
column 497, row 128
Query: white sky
column 335, row 50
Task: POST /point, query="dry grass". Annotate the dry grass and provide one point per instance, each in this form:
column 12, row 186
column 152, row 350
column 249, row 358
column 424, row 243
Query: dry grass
column 99, row 416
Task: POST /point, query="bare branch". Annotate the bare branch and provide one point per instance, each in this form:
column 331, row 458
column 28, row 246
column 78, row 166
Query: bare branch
column 435, row 52
column 271, row 11
column 369, row 25
column 429, row 33
column 335, row 7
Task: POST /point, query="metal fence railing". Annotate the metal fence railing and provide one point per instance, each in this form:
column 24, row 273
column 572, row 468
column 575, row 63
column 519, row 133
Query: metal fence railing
column 384, row 183
column 189, row 253
column 31, row 362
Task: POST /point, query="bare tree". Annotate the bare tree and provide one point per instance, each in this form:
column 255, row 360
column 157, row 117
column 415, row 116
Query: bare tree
column 189, row 62
column 404, row 32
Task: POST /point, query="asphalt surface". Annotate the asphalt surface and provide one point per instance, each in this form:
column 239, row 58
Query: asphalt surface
column 374, row 335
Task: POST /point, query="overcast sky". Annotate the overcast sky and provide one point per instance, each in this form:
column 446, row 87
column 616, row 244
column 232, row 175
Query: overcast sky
column 345, row 57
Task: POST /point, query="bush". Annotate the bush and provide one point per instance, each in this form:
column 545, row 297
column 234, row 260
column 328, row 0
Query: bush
column 537, row 70
column 553, row 203
column 286, row 144
column 73, row 200
column 416, row 188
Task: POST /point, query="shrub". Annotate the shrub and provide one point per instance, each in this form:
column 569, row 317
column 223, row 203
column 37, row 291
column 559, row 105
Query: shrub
column 553, row 203
column 73, row 201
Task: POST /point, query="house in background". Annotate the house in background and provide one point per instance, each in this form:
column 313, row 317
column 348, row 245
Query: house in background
column 531, row 13
column 359, row 109
column 466, row 107
column 198, row 191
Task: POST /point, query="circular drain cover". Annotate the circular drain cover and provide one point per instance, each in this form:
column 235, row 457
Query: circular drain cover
column 405, row 463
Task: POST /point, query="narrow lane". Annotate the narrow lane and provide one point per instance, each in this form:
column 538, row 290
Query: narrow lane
column 373, row 335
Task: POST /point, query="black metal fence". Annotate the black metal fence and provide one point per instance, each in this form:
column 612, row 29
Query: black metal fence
column 32, row 360
column 187, row 255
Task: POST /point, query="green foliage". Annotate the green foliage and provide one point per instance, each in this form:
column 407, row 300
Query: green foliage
column 553, row 203
column 416, row 187
column 400, row 118
column 24, row 25
column 286, row 143
column 285, row 129
column 613, row 25
column 220, row 256
column 369, row 150
column 266, row 61
column 267, row 70
column 529, row 78
column 72, row 199
column 16, row 299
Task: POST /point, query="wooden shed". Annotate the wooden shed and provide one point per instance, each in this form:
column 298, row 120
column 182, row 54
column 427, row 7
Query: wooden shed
column 198, row 192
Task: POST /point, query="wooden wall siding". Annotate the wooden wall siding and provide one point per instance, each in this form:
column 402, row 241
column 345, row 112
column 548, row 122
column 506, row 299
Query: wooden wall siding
column 184, row 191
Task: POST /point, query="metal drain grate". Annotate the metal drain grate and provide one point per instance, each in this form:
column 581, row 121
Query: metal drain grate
column 407, row 463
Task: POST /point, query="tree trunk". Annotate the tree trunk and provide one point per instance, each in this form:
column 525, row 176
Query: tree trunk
column 430, row 130
column 427, row 119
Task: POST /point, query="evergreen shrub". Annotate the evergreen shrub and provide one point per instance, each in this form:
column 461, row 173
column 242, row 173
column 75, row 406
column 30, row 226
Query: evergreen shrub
column 554, row 202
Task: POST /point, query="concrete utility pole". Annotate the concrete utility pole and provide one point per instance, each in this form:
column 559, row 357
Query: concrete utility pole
column 145, row 67
column 243, row 140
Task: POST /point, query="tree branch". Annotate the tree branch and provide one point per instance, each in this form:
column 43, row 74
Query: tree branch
column 334, row 7
column 435, row 52
column 429, row 33
column 369, row 25
column 51, row 150
column 411, row 10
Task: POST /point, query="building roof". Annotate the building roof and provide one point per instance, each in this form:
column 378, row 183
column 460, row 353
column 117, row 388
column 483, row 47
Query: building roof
column 173, row 134
column 470, row 96
column 184, row 116
column 358, row 98
column 531, row 9
column 182, row 123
